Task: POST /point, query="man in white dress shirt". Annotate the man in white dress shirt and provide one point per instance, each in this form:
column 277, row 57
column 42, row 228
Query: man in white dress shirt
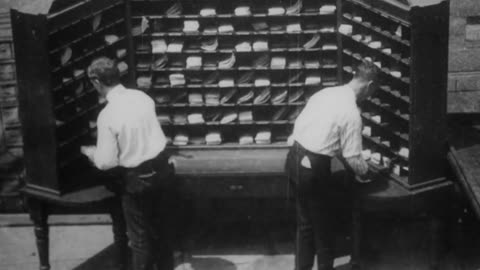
column 329, row 126
column 130, row 138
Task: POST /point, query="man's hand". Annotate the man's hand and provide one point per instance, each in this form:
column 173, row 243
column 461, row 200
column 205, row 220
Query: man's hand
column 88, row 151
column 358, row 165
column 363, row 178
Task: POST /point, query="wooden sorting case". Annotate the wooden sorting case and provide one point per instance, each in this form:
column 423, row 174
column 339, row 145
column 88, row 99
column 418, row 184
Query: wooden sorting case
column 229, row 80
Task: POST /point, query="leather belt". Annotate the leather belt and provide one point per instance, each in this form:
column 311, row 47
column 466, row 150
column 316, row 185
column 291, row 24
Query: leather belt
column 303, row 151
column 146, row 167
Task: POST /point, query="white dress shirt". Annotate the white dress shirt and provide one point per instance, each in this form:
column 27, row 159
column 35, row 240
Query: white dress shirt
column 330, row 123
column 128, row 130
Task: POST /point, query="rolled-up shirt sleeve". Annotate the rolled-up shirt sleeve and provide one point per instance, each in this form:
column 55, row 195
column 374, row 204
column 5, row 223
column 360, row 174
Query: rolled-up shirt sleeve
column 106, row 154
column 351, row 135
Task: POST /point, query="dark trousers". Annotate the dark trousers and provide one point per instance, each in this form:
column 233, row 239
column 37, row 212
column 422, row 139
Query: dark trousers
column 149, row 239
column 315, row 208
column 143, row 203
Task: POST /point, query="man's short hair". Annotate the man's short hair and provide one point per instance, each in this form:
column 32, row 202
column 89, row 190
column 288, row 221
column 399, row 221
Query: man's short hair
column 105, row 70
column 366, row 70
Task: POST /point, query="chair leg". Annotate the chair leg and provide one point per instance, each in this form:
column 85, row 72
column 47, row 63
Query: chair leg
column 38, row 210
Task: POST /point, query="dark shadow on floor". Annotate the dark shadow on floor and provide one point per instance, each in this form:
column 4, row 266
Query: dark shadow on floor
column 211, row 264
column 391, row 243
column 102, row 260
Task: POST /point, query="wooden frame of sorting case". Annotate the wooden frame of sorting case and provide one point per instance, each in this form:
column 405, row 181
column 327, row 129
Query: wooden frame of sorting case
column 234, row 170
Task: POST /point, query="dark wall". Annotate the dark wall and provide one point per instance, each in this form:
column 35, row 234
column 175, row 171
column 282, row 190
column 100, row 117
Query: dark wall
column 464, row 58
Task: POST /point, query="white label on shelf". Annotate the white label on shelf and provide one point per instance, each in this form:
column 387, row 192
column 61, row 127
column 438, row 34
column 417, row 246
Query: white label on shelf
column 367, row 131
column 386, row 162
column 404, row 152
column 376, row 158
column 345, row 29
column 144, row 24
column 396, row 169
column 398, row 32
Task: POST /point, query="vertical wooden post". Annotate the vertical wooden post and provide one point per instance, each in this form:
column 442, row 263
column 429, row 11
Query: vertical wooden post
column 130, row 45
column 357, row 229
column 339, row 43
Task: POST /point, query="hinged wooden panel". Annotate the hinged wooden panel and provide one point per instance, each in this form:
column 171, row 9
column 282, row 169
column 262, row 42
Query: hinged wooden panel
column 58, row 104
column 36, row 108
column 428, row 91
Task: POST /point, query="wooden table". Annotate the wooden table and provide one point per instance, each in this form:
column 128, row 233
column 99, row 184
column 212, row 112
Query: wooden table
column 97, row 199
column 464, row 157
column 259, row 173
column 256, row 173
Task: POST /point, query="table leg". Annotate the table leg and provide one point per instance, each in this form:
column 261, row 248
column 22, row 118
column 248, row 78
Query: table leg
column 357, row 233
column 39, row 215
column 437, row 241
column 120, row 238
